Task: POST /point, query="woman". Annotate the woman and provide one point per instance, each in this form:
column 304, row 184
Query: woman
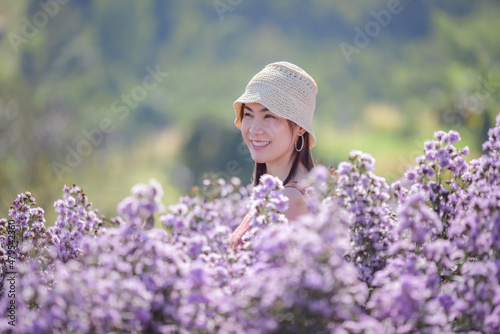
column 275, row 118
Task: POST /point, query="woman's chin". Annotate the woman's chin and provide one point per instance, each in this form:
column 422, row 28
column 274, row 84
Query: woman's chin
column 258, row 159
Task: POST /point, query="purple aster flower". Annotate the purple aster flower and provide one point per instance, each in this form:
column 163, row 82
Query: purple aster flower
column 453, row 137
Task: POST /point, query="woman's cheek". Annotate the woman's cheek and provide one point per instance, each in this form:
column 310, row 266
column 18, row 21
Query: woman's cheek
column 279, row 125
column 244, row 127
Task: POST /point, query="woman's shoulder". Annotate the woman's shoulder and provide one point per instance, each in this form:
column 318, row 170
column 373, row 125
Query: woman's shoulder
column 296, row 201
column 293, row 185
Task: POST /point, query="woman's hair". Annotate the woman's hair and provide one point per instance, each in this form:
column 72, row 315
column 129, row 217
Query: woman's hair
column 304, row 156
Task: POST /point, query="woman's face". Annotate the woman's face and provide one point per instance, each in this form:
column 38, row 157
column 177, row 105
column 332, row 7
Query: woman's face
column 267, row 135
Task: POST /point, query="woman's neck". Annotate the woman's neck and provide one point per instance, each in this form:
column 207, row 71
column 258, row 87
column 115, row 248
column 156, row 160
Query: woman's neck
column 281, row 170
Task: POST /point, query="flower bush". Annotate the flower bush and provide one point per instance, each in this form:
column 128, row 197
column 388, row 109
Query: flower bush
column 419, row 256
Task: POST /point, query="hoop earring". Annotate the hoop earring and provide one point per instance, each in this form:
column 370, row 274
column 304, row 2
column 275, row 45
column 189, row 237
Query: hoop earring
column 301, row 146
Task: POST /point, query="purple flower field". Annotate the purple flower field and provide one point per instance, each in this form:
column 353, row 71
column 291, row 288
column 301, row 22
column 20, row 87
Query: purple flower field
column 419, row 256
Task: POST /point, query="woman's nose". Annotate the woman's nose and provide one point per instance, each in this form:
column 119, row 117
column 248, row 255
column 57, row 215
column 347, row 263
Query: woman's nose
column 256, row 127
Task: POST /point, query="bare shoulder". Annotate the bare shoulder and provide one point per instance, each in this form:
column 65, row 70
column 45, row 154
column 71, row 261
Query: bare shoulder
column 296, row 203
column 292, row 193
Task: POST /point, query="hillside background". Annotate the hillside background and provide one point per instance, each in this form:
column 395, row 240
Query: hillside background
column 78, row 103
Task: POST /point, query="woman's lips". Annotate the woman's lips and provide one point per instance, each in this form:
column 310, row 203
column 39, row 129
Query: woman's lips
column 259, row 144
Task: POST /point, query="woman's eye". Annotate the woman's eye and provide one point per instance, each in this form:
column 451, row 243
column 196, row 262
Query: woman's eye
column 269, row 116
column 247, row 114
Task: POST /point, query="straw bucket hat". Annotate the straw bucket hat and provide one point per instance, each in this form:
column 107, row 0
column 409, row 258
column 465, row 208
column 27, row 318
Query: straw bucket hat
column 287, row 91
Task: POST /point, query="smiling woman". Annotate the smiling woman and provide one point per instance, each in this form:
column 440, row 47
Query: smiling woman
column 275, row 115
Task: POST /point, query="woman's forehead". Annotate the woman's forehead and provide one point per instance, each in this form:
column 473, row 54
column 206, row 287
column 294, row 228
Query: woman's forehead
column 255, row 107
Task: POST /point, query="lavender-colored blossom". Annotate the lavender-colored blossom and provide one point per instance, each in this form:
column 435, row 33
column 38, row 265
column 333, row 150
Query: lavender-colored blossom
column 139, row 210
column 418, row 219
column 267, row 203
column 75, row 218
column 421, row 256
column 493, row 143
column 300, row 280
column 366, row 195
column 453, row 137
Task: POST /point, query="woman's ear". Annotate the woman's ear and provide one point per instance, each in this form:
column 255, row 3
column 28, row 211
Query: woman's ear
column 302, row 131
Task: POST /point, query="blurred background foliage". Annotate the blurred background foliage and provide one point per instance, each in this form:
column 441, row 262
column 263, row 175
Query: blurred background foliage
column 70, row 68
